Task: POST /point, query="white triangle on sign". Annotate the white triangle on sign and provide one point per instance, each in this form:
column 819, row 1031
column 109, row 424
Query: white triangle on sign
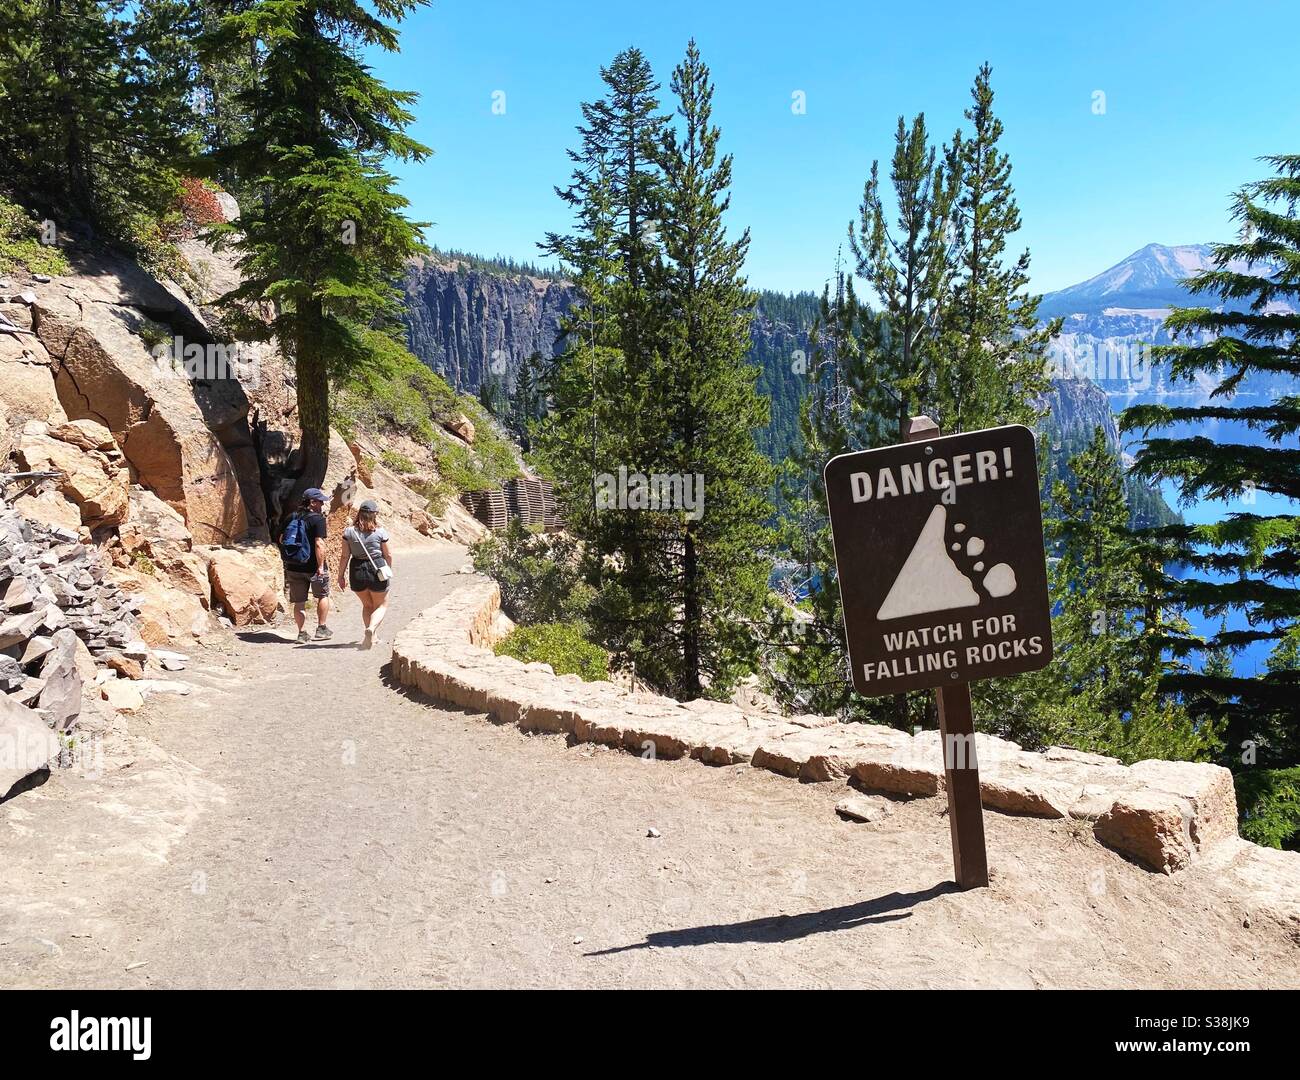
column 929, row 580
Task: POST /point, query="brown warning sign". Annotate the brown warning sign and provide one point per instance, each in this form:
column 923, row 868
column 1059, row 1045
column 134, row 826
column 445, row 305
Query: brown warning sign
column 939, row 552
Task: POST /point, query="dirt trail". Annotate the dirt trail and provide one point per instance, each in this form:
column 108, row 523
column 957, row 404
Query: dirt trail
column 296, row 821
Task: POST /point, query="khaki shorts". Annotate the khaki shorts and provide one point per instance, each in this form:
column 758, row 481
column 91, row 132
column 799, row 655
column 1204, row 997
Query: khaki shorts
column 299, row 584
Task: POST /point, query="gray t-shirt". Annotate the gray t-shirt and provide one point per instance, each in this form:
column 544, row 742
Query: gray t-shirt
column 363, row 543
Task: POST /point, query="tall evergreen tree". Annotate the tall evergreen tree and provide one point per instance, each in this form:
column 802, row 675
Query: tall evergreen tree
column 994, row 367
column 652, row 380
column 325, row 237
column 1103, row 690
column 954, row 336
column 1247, row 562
column 525, row 404
column 909, row 269
column 704, row 586
column 603, row 371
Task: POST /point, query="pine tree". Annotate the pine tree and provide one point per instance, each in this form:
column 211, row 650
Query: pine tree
column 597, row 388
column 324, row 239
column 993, row 368
column 704, row 586
column 1103, row 690
column 1247, row 562
column 526, row 406
column 583, row 382
column 909, row 270
column 492, row 395
column 96, row 112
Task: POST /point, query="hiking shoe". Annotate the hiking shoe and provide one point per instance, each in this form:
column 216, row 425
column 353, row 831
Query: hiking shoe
column 303, row 636
column 323, row 632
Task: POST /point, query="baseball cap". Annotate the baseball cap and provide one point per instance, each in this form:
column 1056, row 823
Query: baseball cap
column 315, row 495
column 369, row 506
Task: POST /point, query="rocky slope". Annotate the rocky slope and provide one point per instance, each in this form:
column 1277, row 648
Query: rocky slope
column 142, row 489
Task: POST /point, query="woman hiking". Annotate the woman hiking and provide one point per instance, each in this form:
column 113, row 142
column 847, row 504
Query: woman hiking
column 370, row 567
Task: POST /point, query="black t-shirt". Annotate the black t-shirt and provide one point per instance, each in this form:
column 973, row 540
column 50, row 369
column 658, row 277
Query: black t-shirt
column 316, row 530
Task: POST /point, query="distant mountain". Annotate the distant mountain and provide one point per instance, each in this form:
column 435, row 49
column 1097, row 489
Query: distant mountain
column 1111, row 319
column 1147, row 281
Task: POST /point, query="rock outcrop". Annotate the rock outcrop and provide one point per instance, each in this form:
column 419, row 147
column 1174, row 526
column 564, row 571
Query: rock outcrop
column 185, row 438
column 469, row 325
column 94, row 476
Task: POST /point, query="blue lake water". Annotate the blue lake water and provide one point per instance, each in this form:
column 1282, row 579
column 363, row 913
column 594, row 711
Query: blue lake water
column 1250, row 660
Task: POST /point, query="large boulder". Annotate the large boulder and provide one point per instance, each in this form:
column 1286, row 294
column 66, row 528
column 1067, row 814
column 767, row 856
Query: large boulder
column 1153, row 828
column 26, row 381
column 26, row 743
column 95, row 481
column 85, row 435
column 92, row 480
column 461, row 426
column 60, row 697
column 188, row 440
column 165, row 613
column 240, row 587
column 1209, row 789
column 265, row 561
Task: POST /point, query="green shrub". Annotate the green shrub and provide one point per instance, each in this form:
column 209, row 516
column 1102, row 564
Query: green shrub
column 437, row 493
column 562, row 645
column 397, row 393
column 1269, row 801
column 540, row 576
column 20, row 244
column 399, row 463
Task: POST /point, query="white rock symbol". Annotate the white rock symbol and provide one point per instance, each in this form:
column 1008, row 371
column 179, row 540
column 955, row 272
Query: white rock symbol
column 974, row 546
column 1000, row 580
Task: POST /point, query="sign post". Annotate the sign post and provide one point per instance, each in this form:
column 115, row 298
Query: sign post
column 943, row 580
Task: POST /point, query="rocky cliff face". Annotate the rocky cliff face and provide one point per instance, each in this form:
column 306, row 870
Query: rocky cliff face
column 467, row 324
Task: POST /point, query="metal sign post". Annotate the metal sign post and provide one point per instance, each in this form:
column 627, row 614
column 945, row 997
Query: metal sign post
column 943, row 580
column 970, row 861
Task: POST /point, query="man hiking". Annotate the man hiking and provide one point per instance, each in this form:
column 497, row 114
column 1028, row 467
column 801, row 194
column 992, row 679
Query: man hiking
column 302, row 548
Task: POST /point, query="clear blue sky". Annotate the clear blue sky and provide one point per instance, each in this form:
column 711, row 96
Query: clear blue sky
column 1194, row 91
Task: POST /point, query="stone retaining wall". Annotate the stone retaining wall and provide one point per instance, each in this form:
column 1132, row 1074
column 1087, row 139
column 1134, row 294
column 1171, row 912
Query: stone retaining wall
column 1161, row 814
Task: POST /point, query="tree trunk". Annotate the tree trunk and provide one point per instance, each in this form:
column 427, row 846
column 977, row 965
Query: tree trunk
column 691, row 614
column 313, row 401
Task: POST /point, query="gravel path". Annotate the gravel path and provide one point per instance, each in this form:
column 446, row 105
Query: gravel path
column 297, row 821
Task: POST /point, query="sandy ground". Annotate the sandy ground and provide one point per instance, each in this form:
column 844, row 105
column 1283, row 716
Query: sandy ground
column 297, row 821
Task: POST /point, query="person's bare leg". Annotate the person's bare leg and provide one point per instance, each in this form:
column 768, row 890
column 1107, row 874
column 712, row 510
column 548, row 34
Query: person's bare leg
column 367, row 618
column 379, row 608
column 322, row 610
column 300, row 615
